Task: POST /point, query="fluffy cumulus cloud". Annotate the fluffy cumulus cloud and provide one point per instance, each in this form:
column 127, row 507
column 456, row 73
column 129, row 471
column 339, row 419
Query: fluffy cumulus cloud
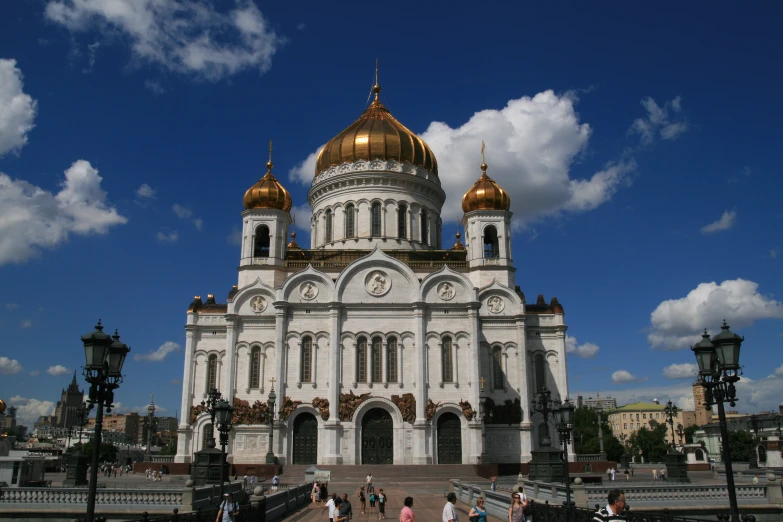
column 532, row 143
column 9, row 366
column 680, row 371
column 677, row 323
column 145, row 192
column 57, row 370
column 159, row 354
column 664, row 122
column 725, row 222
column 28, row 410
column 167, row 237
column 17, row 109
column 185, row 213
column 190, row 37
column 32, row 218
column 624, row 377
column 586, row 350
column 35, row 373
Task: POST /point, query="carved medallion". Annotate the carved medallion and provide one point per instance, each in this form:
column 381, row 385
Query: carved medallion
column 495, row 304
column 377, row 283
column 258, row 304
column 308, row 290
column 446, row 291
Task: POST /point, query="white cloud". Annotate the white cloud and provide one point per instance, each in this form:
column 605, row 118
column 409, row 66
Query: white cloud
column 185, row 36
column 725, row 222
column 57, row 370
column 773, row 253
column 28, row 410
column 11, row 306
column 32, row 218
column 198, row 223
column 171, row 237
column 680, row 371
column 27, row 323
column 235, row 237
column 145, row 192
column 664, row 122
column 585, row 351
column 624, row 376
column 17, row 109
column 9, row 366
column 677, row 323
column 35, row 373
column 181, row 212
column 92, row 50
column 154, row 87
column 532, row 145
column 159, row 354
column 779, row 371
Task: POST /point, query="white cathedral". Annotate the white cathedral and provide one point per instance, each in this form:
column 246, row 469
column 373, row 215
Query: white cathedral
column 382, row 346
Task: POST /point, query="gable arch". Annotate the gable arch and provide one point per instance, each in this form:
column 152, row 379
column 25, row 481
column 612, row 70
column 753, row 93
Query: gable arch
column 238, row 305
column 377, row 260
column 463, row 287
column 289, row 292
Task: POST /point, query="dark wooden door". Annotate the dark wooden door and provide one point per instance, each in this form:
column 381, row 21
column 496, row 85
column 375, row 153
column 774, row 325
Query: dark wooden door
column 305, row 439
column 449, row 439
column 377, row 437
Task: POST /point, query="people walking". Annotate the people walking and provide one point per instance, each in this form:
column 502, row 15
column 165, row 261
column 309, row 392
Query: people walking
column 613, row 471
column 381, row 504
column 449, row 512
column 478, row 513
column 627, row 475
column 614, row 509
column 331, row 506
column 406, row 513
column 662, row 474
column 368, row 481
column 228, row 509
column 362, row 501
column 516, row 513
column 494, row 483
column 275, row 482
column 253, row 481
column 244, row 481
column 655, row 474
column 347, row 506
column 371, row 494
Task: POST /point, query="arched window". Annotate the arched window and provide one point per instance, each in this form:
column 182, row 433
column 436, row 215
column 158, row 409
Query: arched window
column 402, row 220
column 377, row 360
column 361, row 360
column 206, row 436
column 425, row 227
column 376, row 220
column 491, row 242
column 329, row 233
column 391, row 362
column 306, row 364
column 255, row 367
column 350, row 223
column 498, row 376
column 446, row 360
column 540, row 368
column 211, row 373
column 261, row 243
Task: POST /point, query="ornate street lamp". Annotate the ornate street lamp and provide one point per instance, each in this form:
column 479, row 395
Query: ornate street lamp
column 223, row 414
column 676, row 462
column 754, row 426
column 544, row 405
column 150, row 428
column 680, row 433
column 564, row 417
column 669, row 413
column 719, row 369
column 601, row 453
column 209, row 403
column 270, row 454
column 105, row 357
column 547, row 462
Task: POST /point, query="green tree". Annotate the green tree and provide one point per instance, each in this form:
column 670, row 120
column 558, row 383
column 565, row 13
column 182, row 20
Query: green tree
column 650, row 443
column 741, row 445
column 689, row 431
column 170, row 448
column 585, row 434
column 108, row 451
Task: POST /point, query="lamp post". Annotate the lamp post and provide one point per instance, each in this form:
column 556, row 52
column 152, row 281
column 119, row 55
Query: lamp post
column 754, row 426
column 103, row 370
column 223, row 415
column 680, row 432
column 669, row 413
column 271, row 401
column 719, row 370
column 544, row 405
column 564, row 416
column 547, row 462
column 150, row 428
column 601, row 453
column 209, row 403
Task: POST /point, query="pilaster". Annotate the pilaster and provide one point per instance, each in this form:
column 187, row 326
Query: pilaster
column 231, row 341
column 280, row 351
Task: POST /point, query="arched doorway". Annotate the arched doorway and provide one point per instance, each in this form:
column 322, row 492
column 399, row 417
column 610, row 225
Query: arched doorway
column 377, row 437
column 305, row 439
column 762, row 452
column 449, row 439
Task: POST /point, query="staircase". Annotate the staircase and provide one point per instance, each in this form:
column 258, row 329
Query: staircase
column 389, row 473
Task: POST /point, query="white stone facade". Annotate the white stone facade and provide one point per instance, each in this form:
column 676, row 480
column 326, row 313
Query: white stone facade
column 450, row 328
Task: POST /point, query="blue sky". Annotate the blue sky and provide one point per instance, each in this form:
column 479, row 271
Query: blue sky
column 639, row 145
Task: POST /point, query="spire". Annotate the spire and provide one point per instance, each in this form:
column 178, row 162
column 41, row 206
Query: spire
column 483, row 163
column 269, row 163
column 376, row 88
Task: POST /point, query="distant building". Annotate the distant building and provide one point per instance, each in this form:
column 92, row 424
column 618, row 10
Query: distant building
column 605, row 403
column 703, row 413
column 766, row 425
column 8, row 421
column 126, row 424
column 45, row 421
column 67, row 409
column 626, row 420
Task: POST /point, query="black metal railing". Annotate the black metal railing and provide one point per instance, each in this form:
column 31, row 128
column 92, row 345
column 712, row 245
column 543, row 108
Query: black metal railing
column 324, row 258
column 249, row 512
column 544, row 512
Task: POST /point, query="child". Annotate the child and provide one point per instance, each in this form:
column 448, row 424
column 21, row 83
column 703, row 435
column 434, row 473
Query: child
column 382, row 504
column 372, row 499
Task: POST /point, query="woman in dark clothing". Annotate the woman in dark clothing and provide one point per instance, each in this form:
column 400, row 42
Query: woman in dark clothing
column 362, row 499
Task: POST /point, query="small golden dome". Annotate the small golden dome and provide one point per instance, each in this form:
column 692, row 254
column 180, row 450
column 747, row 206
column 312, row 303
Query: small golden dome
column 485, row 194
column 458, row 245
column 293, row 244
column 268, row 192
column 376, row 135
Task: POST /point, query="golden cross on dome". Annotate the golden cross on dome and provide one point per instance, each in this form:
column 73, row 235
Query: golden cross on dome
column 483, row 163
column 269, row 163
column 377, row 87
column 273, row 381
column 482, row 381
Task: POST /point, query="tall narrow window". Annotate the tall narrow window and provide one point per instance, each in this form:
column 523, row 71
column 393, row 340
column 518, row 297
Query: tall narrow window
column 307, row 360
column 350, row 223
column 497, row 368
column 377, row 360
column 361, row 360
column 376, row 220
column 211, row 373
column 329, row 234
column 447, row 361
column 207, row 436
column 425, row 227
column 261, row 242
column 540, row 371
column 402, row 220
column 255, row 367
column 391, row 362
column 491, row 242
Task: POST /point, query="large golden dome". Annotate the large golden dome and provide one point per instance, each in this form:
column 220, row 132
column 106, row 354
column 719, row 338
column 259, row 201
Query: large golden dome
column 268, row 192
column 376, row 135
column 485, row 194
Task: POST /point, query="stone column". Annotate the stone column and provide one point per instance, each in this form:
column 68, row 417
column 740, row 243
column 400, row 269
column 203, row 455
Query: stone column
column 409, row 218
column 187, row 378
column 562, row 375
column 455, row 364
column 474, row 427
column 384, row 363
column 280, row 352
column 383, row 220
column 369, row 359
column 231, row 342
column 420, row 425
column 526, row 427
column 262, row 358
column 332, row 427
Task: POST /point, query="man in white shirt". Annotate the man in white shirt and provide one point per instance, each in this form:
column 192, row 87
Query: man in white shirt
column 449, row 513
column 614, row 510
column 368, row 482
column 331, row 507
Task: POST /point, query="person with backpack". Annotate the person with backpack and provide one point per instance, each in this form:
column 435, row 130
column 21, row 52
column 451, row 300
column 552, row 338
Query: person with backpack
column 382, row 504
column 228, row 509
